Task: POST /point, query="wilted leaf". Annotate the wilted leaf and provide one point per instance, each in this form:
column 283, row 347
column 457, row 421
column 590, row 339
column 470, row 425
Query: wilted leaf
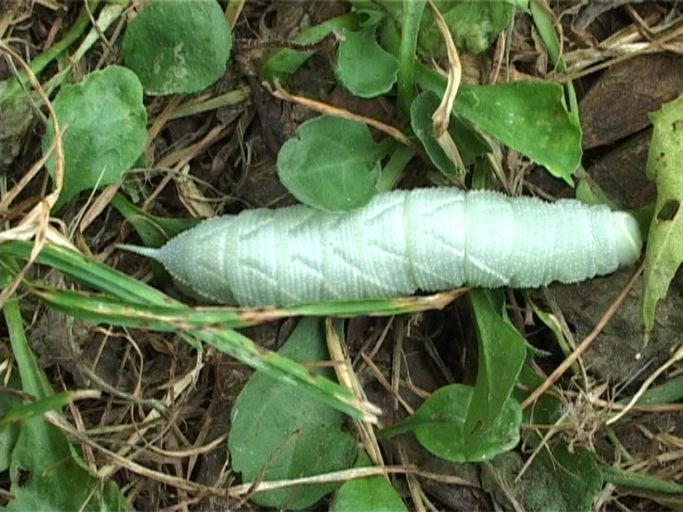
column 470, row 145
column 665, row 241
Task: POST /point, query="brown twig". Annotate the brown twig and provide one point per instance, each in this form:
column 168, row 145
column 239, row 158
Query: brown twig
column 324, row 108
column 586, row 343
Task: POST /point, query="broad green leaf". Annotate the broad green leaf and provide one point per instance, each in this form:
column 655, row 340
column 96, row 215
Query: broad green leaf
column 332, row 165
column 153, row 231
column 103, row 124
column 45, row 472
column 375, row 494
column 363, row 66
column 278, row 433
column 176, row 46
column 474, row 25
column 46, row 476
column 502, row 351
column 530, row 117
column 575, row 473
column 665, row 240
column 23, row 412
column 558, row 481
column 470, row 145
column 438, row 425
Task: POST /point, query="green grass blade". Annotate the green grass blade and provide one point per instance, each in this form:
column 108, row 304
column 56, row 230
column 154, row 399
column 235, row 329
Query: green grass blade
column 205, row 325
column 178, row 317
column 38, row 408
column 33, row 380
column 412, row 14
column 135, row 304
column 91, row 273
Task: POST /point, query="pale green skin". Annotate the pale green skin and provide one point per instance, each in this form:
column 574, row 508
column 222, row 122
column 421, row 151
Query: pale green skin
column 401, row 242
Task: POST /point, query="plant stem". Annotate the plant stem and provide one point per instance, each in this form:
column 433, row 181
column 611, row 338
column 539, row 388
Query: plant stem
column 391, row 173
column 633, row 480
column 412, row 14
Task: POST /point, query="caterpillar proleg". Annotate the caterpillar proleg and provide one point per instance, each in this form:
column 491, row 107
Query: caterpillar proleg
column 401, row 242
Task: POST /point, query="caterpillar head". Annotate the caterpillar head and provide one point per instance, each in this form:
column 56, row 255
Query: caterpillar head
column 629, row 239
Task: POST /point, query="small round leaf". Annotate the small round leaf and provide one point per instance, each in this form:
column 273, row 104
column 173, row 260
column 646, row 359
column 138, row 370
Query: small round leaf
column 178, row 46
column 363, row 66
column 438, row 426
column 443, row 418
column 332, row 165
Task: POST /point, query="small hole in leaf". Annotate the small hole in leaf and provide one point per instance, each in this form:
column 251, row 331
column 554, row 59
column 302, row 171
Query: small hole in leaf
column 668, row 211
column 24, row 477
column 5, row 496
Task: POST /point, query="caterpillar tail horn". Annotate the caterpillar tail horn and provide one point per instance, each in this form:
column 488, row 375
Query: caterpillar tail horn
column 148, row 252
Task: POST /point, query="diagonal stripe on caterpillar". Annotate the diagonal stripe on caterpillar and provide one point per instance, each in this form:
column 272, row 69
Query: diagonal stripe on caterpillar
column 402, row 241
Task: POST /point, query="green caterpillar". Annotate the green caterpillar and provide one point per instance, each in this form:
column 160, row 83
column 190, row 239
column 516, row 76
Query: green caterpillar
column 401, row 242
